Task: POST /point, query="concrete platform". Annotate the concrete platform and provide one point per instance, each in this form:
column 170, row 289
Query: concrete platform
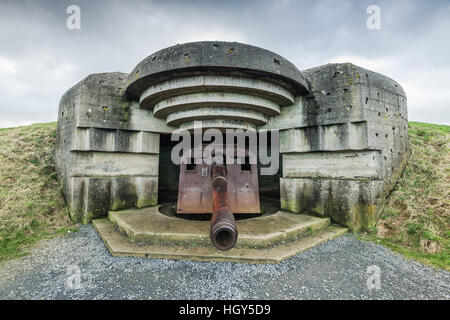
column 267, row 239
column 119, row 245
column 150, row 226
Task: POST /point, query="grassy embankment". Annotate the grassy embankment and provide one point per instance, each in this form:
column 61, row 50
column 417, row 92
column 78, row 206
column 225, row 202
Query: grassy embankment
column 31, row 205
column 416, row 219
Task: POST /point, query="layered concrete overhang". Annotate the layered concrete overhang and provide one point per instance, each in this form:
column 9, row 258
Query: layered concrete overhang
column 214, row 58
column 226, row 84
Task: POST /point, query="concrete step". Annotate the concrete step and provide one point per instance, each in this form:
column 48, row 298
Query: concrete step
column 119, row 245
column 150, row 226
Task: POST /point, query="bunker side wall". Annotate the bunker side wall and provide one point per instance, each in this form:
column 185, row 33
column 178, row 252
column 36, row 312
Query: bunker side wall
column 108, row 149
column 343, row 146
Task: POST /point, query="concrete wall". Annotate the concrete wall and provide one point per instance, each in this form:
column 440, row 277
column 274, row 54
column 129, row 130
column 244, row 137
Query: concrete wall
column 344, row 145
column 108, row 149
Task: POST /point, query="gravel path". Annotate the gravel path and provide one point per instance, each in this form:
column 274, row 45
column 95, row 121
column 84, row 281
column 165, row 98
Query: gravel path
column 334, row 270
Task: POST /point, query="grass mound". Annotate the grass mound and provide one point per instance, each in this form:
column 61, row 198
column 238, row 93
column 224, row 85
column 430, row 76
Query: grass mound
column 31, row 205
column 416, row 219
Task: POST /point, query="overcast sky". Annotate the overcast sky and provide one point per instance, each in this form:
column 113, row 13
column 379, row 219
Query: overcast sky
column 40, row 58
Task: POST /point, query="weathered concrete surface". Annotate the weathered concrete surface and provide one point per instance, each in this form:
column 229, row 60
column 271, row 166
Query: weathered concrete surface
column 333, row 137
column 344, row 145
column 351, row 203
column 114, row 164
column 120, row 245
column 93, row 197
column 337, row 165
column 207, row 113
column 150, row 226
column 220, row 101
column 95, row 139
column 106, row 158
column 220, row 124
column 214, row 57
column 212, row 99
column 210, row 83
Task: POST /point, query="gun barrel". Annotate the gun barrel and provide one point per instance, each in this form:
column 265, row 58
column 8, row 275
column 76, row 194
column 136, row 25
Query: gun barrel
column 223, row 232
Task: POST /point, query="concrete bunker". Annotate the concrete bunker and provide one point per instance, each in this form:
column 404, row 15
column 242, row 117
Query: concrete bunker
column 342, row 131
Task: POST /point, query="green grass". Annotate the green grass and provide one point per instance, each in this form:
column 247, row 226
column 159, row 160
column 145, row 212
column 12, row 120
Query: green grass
column 311, row 231
column 31, row 205
column 428, row 126
column 440, row 259
column 415, row 221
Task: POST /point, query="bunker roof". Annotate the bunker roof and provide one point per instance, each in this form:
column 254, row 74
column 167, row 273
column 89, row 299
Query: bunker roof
column 215, row 58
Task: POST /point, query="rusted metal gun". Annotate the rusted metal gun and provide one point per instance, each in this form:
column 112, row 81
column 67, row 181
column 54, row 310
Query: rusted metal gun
column 223, row 227
column 222, row 189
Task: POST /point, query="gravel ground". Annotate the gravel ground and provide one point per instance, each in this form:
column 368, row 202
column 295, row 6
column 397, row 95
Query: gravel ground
column 336, row 269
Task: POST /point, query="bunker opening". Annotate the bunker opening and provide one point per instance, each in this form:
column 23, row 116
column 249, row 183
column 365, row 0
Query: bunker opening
column 222, row 189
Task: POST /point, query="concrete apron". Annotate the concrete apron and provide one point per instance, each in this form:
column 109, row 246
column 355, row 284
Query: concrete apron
column 267, row 239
